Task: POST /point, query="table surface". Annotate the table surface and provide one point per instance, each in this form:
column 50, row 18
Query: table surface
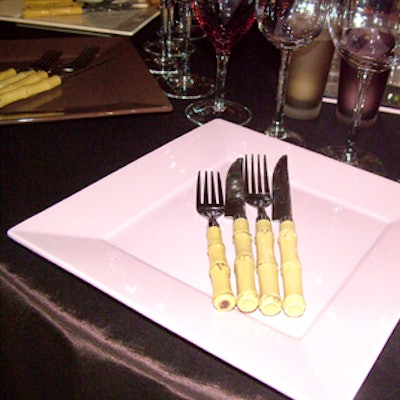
column 60, row 338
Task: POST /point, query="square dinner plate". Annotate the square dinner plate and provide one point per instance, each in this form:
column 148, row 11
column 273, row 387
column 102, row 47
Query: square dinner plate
column 136, row 236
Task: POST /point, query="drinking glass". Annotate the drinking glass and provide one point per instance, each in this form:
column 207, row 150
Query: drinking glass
column 224, row 22
column 366, row 34
column 185, row 84
column 163, row 62
column 288, row 25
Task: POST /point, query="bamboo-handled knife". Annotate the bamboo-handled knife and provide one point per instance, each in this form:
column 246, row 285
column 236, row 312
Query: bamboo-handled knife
column 247, row 296
column 293, row 304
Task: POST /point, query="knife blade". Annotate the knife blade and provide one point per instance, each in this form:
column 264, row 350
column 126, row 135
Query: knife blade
column 247, row 296
column 291, row 270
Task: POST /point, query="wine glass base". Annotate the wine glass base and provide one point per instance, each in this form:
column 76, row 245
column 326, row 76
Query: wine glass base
column 359, row 158
column 204, row 111
column 157, row 66
column 176, row 48
column 285, row 134
column 186, row 87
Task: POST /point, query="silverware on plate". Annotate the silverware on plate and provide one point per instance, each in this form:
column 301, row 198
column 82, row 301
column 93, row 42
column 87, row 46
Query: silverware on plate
column 42, row 81
column 247, row 296
column 258, row 195
column 293, row 304
column 46, row 61
column 211, row 206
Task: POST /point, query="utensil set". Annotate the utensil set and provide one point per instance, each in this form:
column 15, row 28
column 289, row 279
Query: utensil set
column 247, row 182
column 39, row 77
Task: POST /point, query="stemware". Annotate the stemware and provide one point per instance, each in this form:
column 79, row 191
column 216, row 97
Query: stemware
column 288, row 25
column 224, row 23
column 185, row 84
column 366, row 34
column 163, row 61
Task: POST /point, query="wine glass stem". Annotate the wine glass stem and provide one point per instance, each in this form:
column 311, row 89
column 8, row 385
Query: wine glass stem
column 222, row 68
column 278, row 121
column 184, row 18
column 167, row 19
column 364, row 79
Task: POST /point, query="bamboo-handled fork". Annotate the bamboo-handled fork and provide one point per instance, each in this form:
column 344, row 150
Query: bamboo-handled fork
column 42, row 81
column 259, row 196
column 46, row 61
column 211, row 206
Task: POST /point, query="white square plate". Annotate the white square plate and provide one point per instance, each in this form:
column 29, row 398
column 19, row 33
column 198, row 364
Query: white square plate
column 136, row 235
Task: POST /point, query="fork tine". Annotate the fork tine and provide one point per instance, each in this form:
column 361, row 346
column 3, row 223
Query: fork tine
column 198, row 191
column 220, row 194
column 86, row 56
column 266, row 184
column 259, row 175
column 213, row 193
column 48, row 58
column 205, row 195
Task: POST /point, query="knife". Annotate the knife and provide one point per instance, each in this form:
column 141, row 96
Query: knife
column 247, row 296
column 291, row 270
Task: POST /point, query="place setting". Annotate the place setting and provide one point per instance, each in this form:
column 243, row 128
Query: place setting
column 277, row 260
column 113, row 249
column 59, row 92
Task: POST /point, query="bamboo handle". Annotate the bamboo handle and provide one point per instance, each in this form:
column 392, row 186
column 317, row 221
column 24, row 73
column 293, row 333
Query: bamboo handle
column 14, row 78
column 73, row 9
column 247, row 298
column 28, row 80
column 7, row 73
column 293, row 304
column 29, row 90
column 270, row 302
column 223, row 297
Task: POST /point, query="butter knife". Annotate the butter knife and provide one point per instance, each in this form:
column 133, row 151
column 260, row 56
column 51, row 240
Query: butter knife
column 247, row 296
column 291, row 270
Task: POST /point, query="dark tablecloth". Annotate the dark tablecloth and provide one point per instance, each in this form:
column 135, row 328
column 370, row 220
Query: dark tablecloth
column 60, row 338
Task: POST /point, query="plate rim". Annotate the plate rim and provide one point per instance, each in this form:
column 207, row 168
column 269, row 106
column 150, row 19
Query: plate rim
column 274, row 375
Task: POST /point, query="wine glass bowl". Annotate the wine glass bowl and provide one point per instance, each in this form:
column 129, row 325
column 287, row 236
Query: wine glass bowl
column 366, row 33
column 224, row 23
column 288, row 25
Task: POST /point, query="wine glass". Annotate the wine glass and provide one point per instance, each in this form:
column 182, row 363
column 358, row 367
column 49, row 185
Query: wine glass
column 185, row 84
column 288, row 25
column 366, row 34
column 163, row 62
column 224, row 22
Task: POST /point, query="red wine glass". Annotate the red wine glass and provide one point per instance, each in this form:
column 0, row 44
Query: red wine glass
column 366, row 34
column 224, row 22
column 288, row 25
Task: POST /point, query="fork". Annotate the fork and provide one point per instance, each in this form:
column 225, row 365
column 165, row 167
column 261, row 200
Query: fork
column 257, row 194
column 11, row 75
column 82, row 61
column 211, row 206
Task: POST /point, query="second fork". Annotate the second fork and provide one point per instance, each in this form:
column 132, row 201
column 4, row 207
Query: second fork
column 258, row 195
